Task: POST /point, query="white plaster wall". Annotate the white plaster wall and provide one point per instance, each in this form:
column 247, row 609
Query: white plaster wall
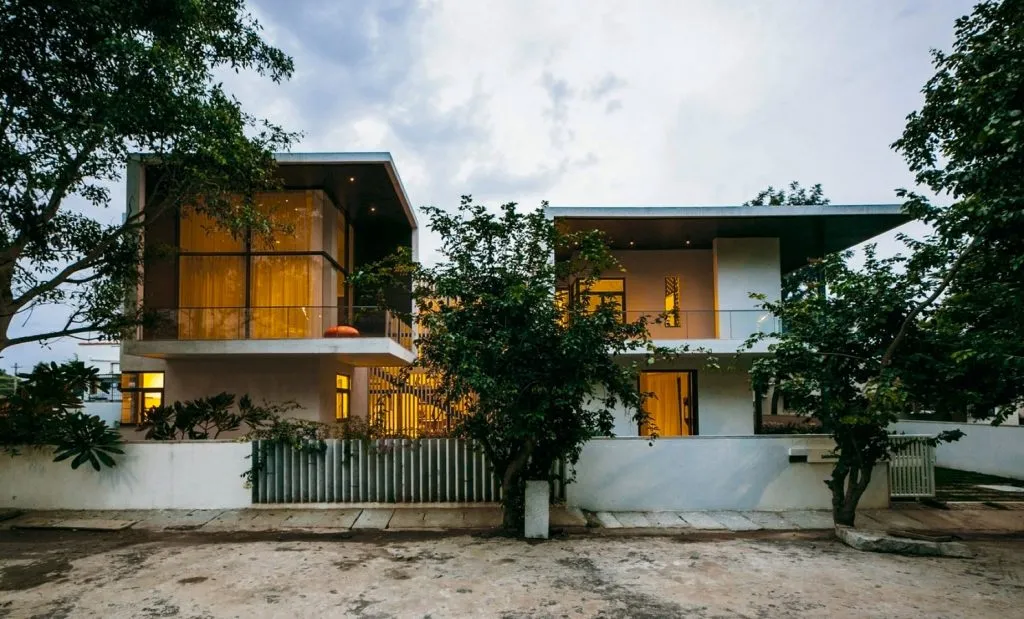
column 725, row 402
column 700, row 473
column 994, row 450
column 743, row 266
column 187, row 475
column 308, row 381
column 645, row 273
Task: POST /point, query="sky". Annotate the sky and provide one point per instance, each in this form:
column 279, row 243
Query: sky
column 595, row 102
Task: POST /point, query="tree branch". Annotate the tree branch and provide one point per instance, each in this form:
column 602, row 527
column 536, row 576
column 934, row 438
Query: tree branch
column 890, row 352
column 38, row 337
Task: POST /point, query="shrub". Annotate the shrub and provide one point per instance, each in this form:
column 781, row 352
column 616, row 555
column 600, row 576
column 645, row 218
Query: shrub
column 198, row 419
column 45, row 409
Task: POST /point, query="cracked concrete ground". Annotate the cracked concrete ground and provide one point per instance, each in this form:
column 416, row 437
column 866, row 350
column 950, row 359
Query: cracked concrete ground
column 380, row 574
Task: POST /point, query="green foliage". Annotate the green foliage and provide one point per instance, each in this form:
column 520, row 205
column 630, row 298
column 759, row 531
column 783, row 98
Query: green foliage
column 197, row 419
column 83, row 85
column 46, row 410
column 539, row 380
column 835, row 359
column 796, row 196
column 967, row 143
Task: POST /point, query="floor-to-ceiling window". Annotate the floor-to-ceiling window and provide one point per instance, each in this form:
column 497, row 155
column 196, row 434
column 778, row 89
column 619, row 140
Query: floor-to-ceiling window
column 284, row 285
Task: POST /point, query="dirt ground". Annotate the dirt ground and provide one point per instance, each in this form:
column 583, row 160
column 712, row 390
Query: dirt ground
column 137, row 574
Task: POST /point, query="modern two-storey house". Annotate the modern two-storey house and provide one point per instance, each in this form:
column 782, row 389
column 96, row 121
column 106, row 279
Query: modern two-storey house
column 691, row 271
column 250, row 316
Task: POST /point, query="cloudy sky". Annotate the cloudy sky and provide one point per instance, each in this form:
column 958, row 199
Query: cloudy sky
column 595, row 102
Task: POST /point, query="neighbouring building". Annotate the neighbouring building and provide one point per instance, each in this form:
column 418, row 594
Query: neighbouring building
column 694, row 269
column 251, row 316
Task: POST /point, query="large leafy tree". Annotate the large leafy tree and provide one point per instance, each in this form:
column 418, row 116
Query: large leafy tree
column 835, row 359
column 539, row 378
column 792, row 284
column 84, row 84
column 966, row 144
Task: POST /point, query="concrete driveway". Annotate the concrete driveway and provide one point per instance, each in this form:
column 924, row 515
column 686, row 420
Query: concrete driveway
column 380, row 574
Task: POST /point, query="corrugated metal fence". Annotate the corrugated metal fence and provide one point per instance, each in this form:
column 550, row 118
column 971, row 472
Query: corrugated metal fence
column 436, row 470
column 911, row 467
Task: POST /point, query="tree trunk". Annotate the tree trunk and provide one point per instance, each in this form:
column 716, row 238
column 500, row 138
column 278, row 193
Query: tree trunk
column 776, row 394
column 758, row 411
column 848, row 483
column 513, row 488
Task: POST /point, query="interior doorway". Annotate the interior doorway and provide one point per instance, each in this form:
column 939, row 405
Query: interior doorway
column 673, row 403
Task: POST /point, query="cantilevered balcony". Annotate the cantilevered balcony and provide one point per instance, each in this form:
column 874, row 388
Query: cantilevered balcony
column 374, row 337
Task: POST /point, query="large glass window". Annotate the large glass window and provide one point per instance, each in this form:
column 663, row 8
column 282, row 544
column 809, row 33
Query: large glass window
column 670, row 403
column 287, row 285
column 140, row 391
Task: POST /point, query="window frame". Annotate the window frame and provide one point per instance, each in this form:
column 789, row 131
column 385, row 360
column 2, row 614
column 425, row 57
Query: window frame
column 673, row 315
column 605, row 295
column 342, row 397
column 132, row 395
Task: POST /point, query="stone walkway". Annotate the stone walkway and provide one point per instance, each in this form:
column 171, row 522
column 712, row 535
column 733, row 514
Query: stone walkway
column 959, row 518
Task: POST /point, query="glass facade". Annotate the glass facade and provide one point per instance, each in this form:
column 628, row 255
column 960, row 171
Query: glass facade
column 286, row 284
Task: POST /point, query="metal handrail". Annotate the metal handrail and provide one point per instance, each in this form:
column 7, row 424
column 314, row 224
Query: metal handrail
column 189, row 323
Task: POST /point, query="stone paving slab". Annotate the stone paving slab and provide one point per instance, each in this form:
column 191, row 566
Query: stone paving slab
column 668, row 520
column 176, row 519
column 633, row 520
column 701, row 520
column 408, row 519
column 322, row 519
column 562, row 516
column 734, row 521
column 772, row 521
column 79, row 524
column 810, row 519
column 487, row 518
column 607, row 520
column 373, row 519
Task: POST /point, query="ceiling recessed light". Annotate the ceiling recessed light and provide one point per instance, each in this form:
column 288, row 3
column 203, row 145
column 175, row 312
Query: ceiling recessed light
column 631, row 243
column 687, row 241
column 373, row 209
column 351, row 179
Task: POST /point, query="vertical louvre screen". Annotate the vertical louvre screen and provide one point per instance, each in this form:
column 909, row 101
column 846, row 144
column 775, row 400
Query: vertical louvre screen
column 438, row 470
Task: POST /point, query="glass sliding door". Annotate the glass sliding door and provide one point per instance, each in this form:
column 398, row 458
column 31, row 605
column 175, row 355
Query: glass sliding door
column 671, row 403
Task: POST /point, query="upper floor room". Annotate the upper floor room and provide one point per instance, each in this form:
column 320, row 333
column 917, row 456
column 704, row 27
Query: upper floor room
column 693, row 269
column 205, row 286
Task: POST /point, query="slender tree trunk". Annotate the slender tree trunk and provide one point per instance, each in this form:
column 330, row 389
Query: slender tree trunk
column 776, row 395
column 758, row 411
column 513, row 488
column 848, row 484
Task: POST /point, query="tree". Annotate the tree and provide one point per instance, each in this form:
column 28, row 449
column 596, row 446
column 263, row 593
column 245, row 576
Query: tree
column 83, row 85
column 46, row 409
column 833, row 360
column 796, row 196
column 967, row 143
column 791, row 285
column 539, row 378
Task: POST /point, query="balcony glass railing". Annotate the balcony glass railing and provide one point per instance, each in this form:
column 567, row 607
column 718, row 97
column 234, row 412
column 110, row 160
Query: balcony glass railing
column 706, row 324
column 272, row 323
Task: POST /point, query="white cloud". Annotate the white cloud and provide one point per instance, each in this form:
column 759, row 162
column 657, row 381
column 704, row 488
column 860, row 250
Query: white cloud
column 606, row 102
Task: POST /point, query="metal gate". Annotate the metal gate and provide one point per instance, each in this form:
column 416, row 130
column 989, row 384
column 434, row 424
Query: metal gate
column 436, row 470
column 911, row 467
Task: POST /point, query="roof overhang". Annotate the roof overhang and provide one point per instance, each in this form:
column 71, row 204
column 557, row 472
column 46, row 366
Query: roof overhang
column 803, row 231
column 366, row 184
